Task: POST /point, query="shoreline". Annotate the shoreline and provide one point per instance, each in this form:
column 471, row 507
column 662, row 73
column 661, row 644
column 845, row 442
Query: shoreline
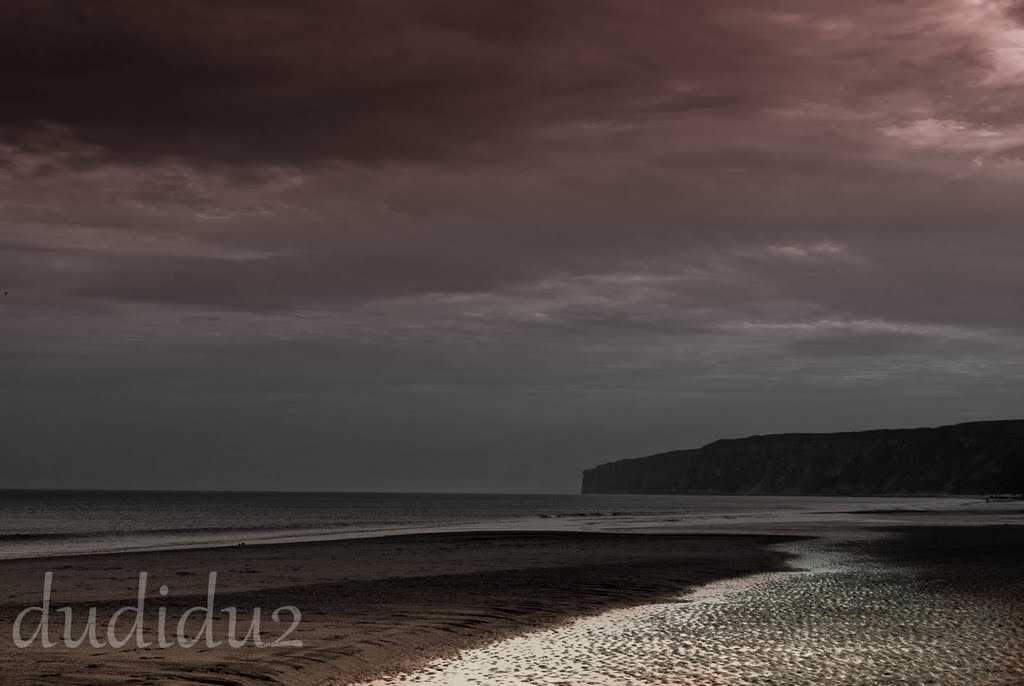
column 370, row 606
column 635, row 514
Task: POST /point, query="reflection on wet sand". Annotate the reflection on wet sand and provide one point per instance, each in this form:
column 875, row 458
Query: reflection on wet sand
column 845, row 618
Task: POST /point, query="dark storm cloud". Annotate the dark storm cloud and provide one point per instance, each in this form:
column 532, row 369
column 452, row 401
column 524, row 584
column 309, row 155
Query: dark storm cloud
column 362, row 79
column 375, row 80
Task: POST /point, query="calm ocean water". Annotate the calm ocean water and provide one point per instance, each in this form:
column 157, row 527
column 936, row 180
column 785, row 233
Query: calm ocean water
column 43, row 523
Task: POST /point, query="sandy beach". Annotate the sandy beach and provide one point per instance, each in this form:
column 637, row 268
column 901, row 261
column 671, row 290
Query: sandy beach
column 938, row 606
column 369, row 606
column 841, row 592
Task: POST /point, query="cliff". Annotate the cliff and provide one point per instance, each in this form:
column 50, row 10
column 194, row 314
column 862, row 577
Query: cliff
column 974, row 458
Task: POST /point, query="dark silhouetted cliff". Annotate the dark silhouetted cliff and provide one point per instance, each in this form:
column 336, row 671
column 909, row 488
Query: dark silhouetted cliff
column 975, row 458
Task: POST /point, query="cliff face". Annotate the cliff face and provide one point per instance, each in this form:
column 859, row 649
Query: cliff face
column 975, row 458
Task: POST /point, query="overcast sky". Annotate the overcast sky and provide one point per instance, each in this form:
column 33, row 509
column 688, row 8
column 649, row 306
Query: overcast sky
column 482, row 244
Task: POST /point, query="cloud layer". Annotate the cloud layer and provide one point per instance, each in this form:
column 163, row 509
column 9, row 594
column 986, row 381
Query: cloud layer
column 676, row 214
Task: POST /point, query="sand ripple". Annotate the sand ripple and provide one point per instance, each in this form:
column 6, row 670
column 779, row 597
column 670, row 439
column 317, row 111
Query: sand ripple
column 846, row 620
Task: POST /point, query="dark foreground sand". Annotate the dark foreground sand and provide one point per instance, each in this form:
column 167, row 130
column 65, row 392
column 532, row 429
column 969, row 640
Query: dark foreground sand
column 368, row 606
column 941, row 607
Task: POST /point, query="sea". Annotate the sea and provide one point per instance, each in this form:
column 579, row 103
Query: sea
column 52, row 523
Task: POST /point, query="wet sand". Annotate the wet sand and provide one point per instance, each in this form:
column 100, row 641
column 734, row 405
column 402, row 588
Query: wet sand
column 369, row 606
column 942, row 606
